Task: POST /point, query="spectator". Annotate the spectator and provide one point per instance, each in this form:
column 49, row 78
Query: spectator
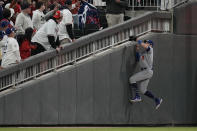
column 7, row 6
column 39, row 18
column 7, row 16
column 11, row 51
column 23, row 20
column 74, row 11
column 25, row 44
column 88, row 17
column 33, row 7
column 52, row 5
column 6, row 2
column 4, row 25
column 16, row 5
column 46, row 37
column 65, row 27
column 11, row 17
column 115, row 11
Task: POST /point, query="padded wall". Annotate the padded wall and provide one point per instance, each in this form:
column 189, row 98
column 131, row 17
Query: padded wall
column 96, row 91
column 185, row 19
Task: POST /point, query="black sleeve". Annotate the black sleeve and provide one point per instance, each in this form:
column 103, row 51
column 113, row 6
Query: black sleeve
column 52, row 41
column 57, row 41
column 70, row 31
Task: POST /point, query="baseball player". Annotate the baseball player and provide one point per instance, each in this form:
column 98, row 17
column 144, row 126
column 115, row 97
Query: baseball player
column 140, row 80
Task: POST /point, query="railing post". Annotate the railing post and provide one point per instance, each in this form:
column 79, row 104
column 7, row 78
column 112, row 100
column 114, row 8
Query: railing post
column 54, row 62
column 34, row 71
column 113, row 40
column 14, row 80
column 133, row 5
column 94, row 48
column 75, row 56
column 157, row 5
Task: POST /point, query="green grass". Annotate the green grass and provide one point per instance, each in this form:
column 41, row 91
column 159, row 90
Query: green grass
column 104, row 129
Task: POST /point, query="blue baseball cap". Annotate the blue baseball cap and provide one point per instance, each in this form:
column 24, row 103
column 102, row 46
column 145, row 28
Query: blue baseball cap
column 1, row 34
column 4, row 23
column 8, row 31
column 150, row 42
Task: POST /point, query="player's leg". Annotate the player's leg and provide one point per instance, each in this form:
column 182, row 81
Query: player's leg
column 137, row 97
column 143, row 89
column 133, row 84
column 140, row 76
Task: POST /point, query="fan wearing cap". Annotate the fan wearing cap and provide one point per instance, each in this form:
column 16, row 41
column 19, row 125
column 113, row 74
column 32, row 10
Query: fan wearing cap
column 39, row 18
column 7, row 14
column 46, row 37
column 141, row 79
column 11, row 49
column 23, row 20
column 4, row 24
column 65, row 33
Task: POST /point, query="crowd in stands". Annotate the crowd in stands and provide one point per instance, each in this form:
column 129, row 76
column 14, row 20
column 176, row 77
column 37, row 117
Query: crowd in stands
column 29, row 27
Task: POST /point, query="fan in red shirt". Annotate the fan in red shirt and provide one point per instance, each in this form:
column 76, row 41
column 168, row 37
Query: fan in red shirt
column 25, row 44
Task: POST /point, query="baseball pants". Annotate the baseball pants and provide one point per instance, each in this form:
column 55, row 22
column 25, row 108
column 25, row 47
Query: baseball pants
column 142, row 79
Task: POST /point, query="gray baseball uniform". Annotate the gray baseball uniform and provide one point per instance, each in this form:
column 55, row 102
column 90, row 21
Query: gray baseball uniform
column 142, row 78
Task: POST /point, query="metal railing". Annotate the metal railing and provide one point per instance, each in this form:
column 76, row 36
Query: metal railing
column 154, row 4
column 144, row 4
column 178, row 2
column 88, row 45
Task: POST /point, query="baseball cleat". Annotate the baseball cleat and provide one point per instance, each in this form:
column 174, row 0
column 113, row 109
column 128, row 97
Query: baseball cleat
column 158, row 103
column 136, row 99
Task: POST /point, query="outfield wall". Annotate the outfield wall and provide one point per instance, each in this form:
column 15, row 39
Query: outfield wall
column 185, row 19
column 96, row 91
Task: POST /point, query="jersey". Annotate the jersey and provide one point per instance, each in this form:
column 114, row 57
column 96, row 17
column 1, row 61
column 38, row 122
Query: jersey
column 23, row 21
column 146, row 58
column 38, row 19
column 11, row 52
column 50, row 28
column 67, row 19
column 3, row 43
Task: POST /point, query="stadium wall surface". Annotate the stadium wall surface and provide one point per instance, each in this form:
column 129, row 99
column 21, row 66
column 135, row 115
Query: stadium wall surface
column 96, row 91
column 185, row 19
